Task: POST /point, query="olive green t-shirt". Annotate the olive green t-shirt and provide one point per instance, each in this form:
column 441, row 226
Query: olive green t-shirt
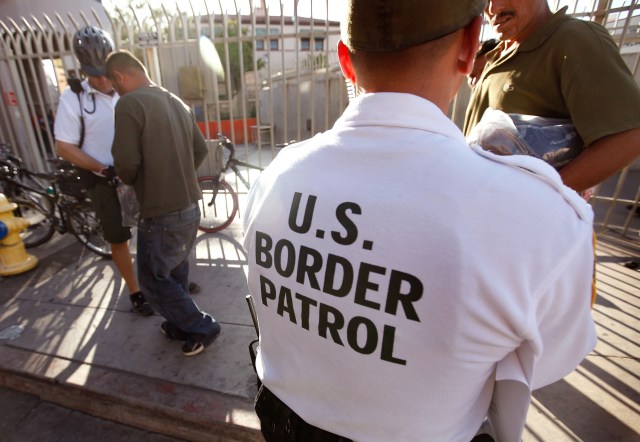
column 157, row 147
column 569, row 69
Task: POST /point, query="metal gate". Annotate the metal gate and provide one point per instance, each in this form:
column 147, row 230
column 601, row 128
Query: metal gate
column 272, row 77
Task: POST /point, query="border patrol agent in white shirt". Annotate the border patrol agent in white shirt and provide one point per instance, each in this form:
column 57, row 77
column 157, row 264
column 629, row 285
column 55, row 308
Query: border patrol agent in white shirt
column 399, row 274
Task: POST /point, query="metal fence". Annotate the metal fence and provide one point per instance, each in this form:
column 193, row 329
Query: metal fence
column 263, row 76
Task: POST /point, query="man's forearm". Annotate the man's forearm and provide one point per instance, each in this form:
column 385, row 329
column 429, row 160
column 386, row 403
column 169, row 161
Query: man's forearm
column 78, row 157
column 127, row 173
column 126, row 162
column 601, row 160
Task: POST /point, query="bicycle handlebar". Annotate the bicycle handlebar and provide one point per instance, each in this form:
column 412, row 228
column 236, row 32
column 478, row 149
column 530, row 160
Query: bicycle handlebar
column 226, row 142
column 7, row 157
column 12, row 166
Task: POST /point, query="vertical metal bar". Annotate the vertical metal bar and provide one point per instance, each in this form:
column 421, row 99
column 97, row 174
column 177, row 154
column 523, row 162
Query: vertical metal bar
column 600, row 15
column 285, row 98
column 312, row 77
column 297, row 39
column 632, row 213
column 327, row 74
column 5, row 54
column 225, row 18
column 136, row 20
column 113, row 32
column 205, row 106
column 50, row 100
column 216, row 85
column 216, row 91
column 185, row 35
column 256, row 82
column 155, row 67
column 96, row 16
column 636, row 63
column 272, row 122
column 22, row 94
column 170, row 24
column 616, row 194
column 128, row 27
column 34, row 95
column 67, row 36
column 623, row 34
column 243, row 87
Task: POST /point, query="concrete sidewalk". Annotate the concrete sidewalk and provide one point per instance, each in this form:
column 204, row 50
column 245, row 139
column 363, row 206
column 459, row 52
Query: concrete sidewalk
column 83, row 348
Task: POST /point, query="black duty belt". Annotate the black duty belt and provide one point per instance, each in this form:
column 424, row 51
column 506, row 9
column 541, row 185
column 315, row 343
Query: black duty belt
column 279, row 423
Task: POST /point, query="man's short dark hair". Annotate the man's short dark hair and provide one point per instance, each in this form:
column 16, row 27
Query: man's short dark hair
column 123, row 60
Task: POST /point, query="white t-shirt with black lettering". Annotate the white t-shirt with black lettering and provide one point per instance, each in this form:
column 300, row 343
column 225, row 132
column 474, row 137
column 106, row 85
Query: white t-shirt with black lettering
column 393, row 267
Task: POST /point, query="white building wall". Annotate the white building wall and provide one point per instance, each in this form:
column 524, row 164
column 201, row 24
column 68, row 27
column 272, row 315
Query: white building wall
column 82, row 11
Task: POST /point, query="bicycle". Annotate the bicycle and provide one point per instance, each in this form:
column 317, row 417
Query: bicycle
column 219, row 203
column 51, row 202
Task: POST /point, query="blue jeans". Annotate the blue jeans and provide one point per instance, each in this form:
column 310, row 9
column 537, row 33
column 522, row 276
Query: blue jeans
column 164, row 244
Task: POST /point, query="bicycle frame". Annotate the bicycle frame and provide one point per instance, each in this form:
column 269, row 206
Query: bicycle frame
column 65, row 212
column 233, row 163
column 56, row 207
column 234, row 166
column 219, row 199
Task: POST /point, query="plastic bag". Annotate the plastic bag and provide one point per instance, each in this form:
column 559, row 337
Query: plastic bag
column 553, row 140
column 129, row 205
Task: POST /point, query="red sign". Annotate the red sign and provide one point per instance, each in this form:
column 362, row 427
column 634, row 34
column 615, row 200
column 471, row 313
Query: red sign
column 10, row 99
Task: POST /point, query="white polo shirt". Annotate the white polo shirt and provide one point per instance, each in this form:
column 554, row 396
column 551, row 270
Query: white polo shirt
column 393, row 267
column 97, row 110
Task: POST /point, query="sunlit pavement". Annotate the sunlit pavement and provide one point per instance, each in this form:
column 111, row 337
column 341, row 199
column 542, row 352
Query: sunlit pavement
column 81, row 346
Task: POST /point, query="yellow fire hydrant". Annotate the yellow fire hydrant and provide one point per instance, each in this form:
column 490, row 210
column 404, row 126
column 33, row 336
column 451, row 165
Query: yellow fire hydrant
column 14, row 258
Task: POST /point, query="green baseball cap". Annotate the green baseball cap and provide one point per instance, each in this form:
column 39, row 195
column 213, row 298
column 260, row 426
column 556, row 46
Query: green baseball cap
column 392, row 25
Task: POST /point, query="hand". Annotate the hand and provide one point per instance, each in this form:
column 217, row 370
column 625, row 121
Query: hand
column 109, row 173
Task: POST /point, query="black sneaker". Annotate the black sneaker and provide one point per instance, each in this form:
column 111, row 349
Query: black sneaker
column 196, row 343
column 193, row 288
column 140, row 304
column 172, row 332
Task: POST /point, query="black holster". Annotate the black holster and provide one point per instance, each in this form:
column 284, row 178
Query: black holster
column 279, row 423
column 88, row 179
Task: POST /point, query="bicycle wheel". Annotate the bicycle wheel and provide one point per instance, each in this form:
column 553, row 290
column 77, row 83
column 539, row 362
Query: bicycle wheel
column 218, row 206
column 41, row 224
column 86, row 227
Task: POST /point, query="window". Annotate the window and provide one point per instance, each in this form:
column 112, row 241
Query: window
column 318, row 44
column 260, row 43
column 274, row 43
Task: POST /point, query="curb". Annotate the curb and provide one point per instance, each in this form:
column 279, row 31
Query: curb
column 159, row 406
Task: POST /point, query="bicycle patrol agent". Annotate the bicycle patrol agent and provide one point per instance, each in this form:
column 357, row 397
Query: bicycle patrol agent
column 392, row 269
column 84, row 133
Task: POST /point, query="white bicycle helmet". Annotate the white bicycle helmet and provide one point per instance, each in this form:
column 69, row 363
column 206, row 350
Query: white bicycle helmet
column 92, row 45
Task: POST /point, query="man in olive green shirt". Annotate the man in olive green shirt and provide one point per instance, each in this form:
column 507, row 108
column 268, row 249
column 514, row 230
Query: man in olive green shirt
column 157, row 148
column 553, row 65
